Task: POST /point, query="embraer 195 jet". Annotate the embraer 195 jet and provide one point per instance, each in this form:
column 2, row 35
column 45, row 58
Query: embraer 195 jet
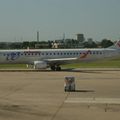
column 53, row 58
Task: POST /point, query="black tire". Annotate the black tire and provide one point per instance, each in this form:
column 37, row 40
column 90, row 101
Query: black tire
column 53, row 68
column 58, row 69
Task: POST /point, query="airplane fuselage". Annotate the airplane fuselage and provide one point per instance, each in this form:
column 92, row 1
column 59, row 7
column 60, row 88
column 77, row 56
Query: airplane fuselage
column 53, row 58
column 29, row 56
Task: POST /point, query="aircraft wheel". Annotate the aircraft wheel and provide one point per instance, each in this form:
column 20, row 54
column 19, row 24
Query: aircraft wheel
column 53, row 68
column 58, row 68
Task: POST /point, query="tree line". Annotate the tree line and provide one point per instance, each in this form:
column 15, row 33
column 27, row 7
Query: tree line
column 71, row 43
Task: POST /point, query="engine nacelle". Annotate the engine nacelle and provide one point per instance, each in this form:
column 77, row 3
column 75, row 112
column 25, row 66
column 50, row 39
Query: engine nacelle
column 40, row 65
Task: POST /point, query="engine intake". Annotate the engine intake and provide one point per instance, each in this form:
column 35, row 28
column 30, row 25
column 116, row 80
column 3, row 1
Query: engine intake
column 40, row 65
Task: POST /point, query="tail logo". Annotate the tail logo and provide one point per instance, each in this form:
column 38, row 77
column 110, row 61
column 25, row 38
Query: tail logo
column 118, row 43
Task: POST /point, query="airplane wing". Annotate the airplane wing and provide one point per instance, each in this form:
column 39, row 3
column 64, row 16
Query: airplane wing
column 60, row 60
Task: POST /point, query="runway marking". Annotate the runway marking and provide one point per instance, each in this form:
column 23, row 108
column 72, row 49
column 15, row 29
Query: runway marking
column 94, row 100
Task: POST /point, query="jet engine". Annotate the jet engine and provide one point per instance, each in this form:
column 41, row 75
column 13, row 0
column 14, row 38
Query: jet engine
column 40, row 65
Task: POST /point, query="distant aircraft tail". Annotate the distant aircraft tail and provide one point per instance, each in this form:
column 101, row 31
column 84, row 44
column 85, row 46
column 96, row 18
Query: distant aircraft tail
column 116, row 45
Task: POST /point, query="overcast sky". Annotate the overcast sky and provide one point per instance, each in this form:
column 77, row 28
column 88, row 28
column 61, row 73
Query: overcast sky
column 97, row 19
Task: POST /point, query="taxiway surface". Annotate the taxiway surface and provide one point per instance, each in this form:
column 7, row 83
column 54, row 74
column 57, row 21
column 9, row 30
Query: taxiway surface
column 40, row 95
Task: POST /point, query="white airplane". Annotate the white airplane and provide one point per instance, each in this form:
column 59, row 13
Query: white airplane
column 53, row 58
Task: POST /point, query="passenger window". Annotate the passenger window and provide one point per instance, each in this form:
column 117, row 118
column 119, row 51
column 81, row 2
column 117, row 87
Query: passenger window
column 97, row 52
column 93, row 52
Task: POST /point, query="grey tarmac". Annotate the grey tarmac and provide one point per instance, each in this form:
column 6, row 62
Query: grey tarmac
column 39, row 95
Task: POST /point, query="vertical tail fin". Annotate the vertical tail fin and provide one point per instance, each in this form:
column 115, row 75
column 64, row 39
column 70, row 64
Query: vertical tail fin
column 116, row 45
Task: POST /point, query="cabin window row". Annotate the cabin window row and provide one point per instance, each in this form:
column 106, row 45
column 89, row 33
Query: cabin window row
column 44, row 53
column 72, row 53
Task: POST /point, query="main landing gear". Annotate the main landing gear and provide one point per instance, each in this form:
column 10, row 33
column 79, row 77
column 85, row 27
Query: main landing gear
column 56, row 68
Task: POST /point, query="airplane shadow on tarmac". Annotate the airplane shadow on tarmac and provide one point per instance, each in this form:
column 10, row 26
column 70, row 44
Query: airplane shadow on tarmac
column 81, row 71
column 71, row 70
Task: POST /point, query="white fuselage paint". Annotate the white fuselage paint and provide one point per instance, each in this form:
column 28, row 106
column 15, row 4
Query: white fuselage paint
column 29, row 56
